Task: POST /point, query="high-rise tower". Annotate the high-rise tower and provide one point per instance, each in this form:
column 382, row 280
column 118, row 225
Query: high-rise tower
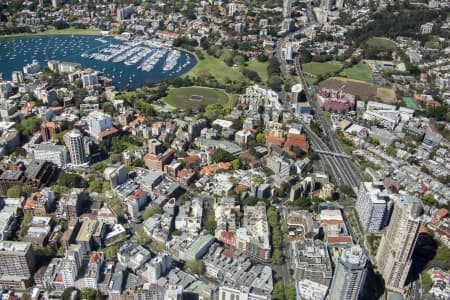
column 394, row 255
column 75, row 142
column 287, row 5
column 350, row 274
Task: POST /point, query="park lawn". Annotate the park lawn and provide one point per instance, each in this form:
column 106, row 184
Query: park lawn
column 215, row 67
column 382, row 43
column 260, row 68
column 311, row 80
column 179, row 97
column 320, row 69
column 361, row 71
column 67, row 31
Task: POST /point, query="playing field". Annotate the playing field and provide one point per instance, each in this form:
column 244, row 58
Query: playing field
column 360, row 71
column 317, row 68
column 194, row 97
column 211, row 66
column 361, row 89
column 382, row 43
column 410, row 102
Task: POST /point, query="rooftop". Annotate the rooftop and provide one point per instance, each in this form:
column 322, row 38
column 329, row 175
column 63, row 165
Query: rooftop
column 14, row 247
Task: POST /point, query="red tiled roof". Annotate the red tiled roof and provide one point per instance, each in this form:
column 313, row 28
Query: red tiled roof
column 339, row 239
column 298, row 140
column 95, row 257
column 108, row 132
column 191, row 159
column 138, row 194
column 214, row 168
column 150, row 157
column 29, row 203
column 136, row 121
column 274, row 140
column 443, row 212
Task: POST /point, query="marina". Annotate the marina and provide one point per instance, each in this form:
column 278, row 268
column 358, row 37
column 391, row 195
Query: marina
column 128, row 63
column 171, row 60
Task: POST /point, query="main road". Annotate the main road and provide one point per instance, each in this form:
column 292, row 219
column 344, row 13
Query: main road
column 341, row 168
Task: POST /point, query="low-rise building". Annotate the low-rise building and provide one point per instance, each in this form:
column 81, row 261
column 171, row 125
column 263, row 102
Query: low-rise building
column 133, row 255
column 335, row 100
column 310, row 260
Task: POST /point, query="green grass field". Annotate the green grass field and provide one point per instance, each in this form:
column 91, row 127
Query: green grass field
column 260, row 68
column 311, row 80
column 180, row 97
column 382, row 43
column 67, row 31
column 319, row 69
column 410, row 102
column 216, row 68
column 361, row 71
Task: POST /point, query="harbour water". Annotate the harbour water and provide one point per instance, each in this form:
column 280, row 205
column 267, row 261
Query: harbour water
column 128, row 64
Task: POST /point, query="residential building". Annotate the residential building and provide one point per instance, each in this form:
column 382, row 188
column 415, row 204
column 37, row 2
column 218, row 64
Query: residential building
column 91, row 233
column 298, row 141
column 56, row 154
column 157, row 162
column 237, row 270
column 189, row 217
column 279, row 166
column 198, row 248
column 335, row 230
column 116, row 175
column 39, row 232
column 350, row 274
column 310, row 260
column 243, row 136
column 75, row 141
column 61, row 273
column 195, row 128
column 229, row 293
column 48, row 130
column 100, row 125
column 310, row 290
column 17, row 262
column 89, row 79
column 394, row 256
column 159, row 266
column 7, row 224
column 373, row 206
column 287, row 8
column 17, row 76
column 253, row 237
column 94, row 268
column 124, row 13
column 155, row 147
column 37, row 174
column 133, row 255
column 32, row 68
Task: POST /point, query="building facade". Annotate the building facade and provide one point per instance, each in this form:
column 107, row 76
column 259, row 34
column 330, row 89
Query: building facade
column 350, row 274
column 76, row 144
column 17, row 262
column 394, row 256
column 373, row 206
